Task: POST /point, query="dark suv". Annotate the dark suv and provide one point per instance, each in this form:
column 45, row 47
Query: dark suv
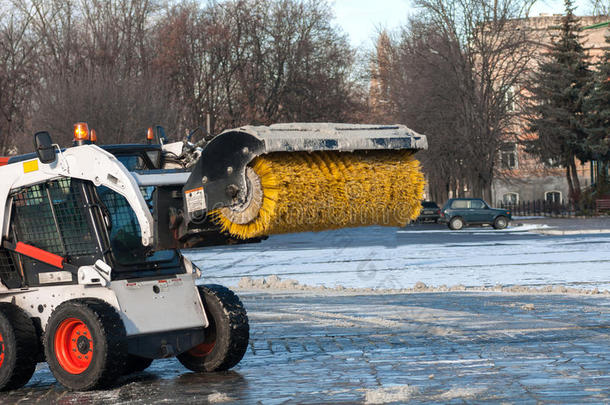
column 459, row 212
column 430, row 212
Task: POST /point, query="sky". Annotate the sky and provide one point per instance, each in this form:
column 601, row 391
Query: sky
column 361, row 18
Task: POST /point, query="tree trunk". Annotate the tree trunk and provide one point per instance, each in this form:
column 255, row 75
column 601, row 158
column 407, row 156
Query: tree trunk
column 487, row 194
column 573, row 181
column 602, row 178
column 570, row 185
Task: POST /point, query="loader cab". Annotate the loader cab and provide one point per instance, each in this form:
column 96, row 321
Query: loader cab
column 62, row 224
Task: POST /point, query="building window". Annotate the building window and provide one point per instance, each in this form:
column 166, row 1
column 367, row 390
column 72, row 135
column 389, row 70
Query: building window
column 551, row 162
column 553, row 196
column 509, row 97
column 510, row 198
column 508, row 156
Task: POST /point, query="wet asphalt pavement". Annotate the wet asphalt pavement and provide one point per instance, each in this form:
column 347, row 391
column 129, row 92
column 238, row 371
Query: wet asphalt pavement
column 429, row 347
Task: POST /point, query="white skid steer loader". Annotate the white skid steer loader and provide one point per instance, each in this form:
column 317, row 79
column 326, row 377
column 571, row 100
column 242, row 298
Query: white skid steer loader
column 94, row 301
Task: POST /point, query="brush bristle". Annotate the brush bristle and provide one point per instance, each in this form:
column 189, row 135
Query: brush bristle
column 329, row 190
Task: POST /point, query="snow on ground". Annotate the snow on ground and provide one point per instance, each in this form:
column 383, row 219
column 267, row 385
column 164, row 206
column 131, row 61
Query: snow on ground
column 483, row 230
column 400, row 393
column 390, row 258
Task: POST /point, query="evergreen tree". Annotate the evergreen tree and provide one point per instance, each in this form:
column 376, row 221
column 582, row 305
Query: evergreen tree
column 558, row 91
column 597, row 108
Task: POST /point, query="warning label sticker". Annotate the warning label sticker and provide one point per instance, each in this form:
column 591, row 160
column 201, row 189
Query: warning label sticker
column 30, row 166
column 195, row 200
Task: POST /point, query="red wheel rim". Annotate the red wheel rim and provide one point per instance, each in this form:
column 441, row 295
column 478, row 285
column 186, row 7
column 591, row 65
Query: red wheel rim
column 73, row 345
column 1, row 350
column 202, row 350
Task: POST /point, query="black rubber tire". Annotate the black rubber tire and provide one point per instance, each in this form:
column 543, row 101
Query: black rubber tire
column 228, row 329
column 136, row 364
column 456, row 223
column 109, row 339
column 19, row 344
column 500, row 222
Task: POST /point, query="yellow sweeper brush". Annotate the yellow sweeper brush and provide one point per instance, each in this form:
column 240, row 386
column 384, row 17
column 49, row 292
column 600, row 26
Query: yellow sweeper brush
column 286, row 178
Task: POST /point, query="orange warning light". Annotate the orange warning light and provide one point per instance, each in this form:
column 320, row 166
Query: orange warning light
column 81, row 131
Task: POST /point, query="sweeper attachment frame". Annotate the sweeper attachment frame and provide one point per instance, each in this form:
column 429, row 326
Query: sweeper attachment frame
column 257, row 180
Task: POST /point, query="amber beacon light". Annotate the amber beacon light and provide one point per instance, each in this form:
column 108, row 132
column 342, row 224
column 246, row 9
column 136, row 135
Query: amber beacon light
column 81, row 132
column 150, row 136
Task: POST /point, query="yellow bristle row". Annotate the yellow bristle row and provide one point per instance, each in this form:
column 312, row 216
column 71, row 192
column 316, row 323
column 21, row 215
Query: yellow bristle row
column 329, row 190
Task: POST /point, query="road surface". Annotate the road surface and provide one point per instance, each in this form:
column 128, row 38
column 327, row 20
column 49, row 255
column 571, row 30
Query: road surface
column 336, row 346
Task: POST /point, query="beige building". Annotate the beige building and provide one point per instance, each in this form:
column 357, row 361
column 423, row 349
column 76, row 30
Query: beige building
column 520, row 176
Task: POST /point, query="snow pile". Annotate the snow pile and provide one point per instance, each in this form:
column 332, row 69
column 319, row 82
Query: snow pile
column 400, row 393
column 480, row 230
column 405, row 393
column 219, row 397
column 272, row 282
column 528, row 307
column 525, row 228
column 464, row 393
column 275, row 283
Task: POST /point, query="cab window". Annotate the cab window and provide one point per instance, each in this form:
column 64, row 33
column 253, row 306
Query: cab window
column 132, row 259
column 125, row 236
column 55, row 217
column 132, row 162
column 52, row 217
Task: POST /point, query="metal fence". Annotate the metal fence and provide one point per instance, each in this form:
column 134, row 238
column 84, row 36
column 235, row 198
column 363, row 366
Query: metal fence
column 547, row 208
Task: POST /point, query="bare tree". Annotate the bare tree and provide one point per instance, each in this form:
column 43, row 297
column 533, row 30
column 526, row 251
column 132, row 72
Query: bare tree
column 18, row 74
column 301, row 65
column 198, row 51
column 122, row 65
column 474, row 56
column 258, row 62
column 97, row 68
column 600, row 7
column 120, row 108
column 419, row 93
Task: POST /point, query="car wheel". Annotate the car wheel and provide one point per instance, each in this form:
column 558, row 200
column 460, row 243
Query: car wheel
column 500, row 223
column 456, row 223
